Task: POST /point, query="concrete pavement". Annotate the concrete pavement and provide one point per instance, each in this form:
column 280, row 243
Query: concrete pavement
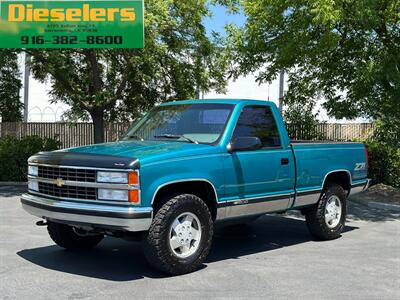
column 273, row 258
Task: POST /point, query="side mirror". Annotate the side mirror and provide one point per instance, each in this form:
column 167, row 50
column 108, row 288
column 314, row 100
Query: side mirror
column 245, row 144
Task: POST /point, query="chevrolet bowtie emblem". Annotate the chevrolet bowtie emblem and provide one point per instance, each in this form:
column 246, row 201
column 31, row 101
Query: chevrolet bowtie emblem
column 59, row 182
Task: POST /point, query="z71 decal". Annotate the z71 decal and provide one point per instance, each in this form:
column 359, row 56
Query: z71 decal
column 360, row 166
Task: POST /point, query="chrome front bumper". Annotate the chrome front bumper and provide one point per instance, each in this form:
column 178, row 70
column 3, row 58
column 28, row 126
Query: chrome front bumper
column 95, row 215
column 359, row 187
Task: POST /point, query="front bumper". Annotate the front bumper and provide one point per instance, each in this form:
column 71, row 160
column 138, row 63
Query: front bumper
column 359, row 187
column 94, row 215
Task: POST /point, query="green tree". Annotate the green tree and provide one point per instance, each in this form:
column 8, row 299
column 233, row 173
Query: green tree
column 10, row 85
column 346, row 52
column 178, row 61
column 301, row 121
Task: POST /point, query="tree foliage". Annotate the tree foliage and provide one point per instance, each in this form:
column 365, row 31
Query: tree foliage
column 346, row 52
column 301, row 121
column 178, row 61
column 10, row 85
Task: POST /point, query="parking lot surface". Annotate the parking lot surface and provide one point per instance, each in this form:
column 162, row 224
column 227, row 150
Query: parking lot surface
column 274, row 258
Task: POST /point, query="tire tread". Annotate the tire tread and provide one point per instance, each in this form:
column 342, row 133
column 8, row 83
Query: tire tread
column 315, row 216
column 157, row 254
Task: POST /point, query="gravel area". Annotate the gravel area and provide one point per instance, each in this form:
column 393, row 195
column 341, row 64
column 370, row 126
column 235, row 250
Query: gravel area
column 378, row 193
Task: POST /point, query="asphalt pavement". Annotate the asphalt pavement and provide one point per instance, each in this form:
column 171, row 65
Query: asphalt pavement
column 274, row 258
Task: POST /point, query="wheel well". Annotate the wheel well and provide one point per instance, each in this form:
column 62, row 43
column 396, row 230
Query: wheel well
column 341, row 178
column 202, row 189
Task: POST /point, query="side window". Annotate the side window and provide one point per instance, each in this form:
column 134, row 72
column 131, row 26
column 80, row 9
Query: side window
column 258, row 121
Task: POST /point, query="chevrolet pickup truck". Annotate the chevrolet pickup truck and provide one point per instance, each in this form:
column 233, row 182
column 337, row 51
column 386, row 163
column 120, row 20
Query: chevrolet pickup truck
column 185, row 166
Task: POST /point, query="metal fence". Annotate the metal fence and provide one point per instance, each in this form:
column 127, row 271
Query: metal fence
column 78, row 134
column 69, row 134
column 332, row 131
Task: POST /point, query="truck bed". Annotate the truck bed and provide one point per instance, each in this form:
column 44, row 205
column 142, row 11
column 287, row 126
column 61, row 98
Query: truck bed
column 319, row 142
column 315, row 160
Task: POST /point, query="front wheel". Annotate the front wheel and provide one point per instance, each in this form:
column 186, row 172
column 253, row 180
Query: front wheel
column 180, row 236
column 326, row 219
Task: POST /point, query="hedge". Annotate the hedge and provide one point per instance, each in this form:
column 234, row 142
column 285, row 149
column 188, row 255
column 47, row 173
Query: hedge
column 384, row 163
column 14, row 154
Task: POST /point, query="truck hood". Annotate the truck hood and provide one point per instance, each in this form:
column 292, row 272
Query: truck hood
column 146, row 151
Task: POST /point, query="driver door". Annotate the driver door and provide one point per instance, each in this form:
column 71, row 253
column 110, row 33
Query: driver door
column 260, row 180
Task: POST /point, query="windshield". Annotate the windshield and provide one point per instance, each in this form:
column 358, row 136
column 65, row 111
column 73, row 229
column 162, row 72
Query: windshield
column 195, row 123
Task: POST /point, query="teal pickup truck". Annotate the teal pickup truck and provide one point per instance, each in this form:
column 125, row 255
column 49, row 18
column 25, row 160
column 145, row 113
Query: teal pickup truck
column 185, row 166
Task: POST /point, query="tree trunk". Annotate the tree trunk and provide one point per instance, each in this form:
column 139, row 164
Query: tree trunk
column 98, row 125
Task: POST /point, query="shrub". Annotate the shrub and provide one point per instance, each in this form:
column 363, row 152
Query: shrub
column 387, row 131
column 384, row 163
column 14, row 154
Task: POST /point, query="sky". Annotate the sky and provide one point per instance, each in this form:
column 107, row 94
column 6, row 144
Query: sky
column 221, row 18
column 40, row 108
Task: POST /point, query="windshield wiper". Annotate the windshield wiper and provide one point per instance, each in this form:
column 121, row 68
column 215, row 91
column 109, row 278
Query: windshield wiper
column 176, row 136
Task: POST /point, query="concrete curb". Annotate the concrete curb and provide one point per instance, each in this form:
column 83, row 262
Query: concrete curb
column 11, row 183
column 387, row 206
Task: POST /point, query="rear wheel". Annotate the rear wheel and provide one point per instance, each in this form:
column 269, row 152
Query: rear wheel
column 326, row 220
column 180, row 236
column 72, row 238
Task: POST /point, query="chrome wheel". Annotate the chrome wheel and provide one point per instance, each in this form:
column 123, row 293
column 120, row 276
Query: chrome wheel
column 333, row 211
column 185, row 235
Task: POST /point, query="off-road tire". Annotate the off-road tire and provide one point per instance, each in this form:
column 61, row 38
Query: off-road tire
column 156, row 242
column 65, row 237
column 315, row 215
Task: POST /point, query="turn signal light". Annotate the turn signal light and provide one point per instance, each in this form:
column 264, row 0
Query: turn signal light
column 134, row 196
column 133, row 178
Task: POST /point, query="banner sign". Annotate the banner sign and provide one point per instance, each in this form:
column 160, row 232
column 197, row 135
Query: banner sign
column 71, row 24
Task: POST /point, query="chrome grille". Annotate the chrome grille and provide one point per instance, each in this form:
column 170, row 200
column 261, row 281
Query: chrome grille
column 71, row 174
column 73, row 192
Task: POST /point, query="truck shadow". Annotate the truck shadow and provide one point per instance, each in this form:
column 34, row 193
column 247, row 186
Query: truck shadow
column 268, row 233
column 118, row 260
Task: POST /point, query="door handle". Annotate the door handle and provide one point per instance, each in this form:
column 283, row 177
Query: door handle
column 284, row 161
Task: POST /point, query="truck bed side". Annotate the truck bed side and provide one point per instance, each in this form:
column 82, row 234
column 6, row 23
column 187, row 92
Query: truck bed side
column 317, row 163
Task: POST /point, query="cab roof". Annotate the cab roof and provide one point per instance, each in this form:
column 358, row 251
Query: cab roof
column 219, row 101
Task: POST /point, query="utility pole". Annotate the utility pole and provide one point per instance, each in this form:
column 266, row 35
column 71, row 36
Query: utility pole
column 281, row 89
column 26, row 85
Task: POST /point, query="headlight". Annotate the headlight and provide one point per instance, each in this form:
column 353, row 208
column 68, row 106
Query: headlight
column 112, row 177
column 33, row 170
column 117, row 195
column 33, row 185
